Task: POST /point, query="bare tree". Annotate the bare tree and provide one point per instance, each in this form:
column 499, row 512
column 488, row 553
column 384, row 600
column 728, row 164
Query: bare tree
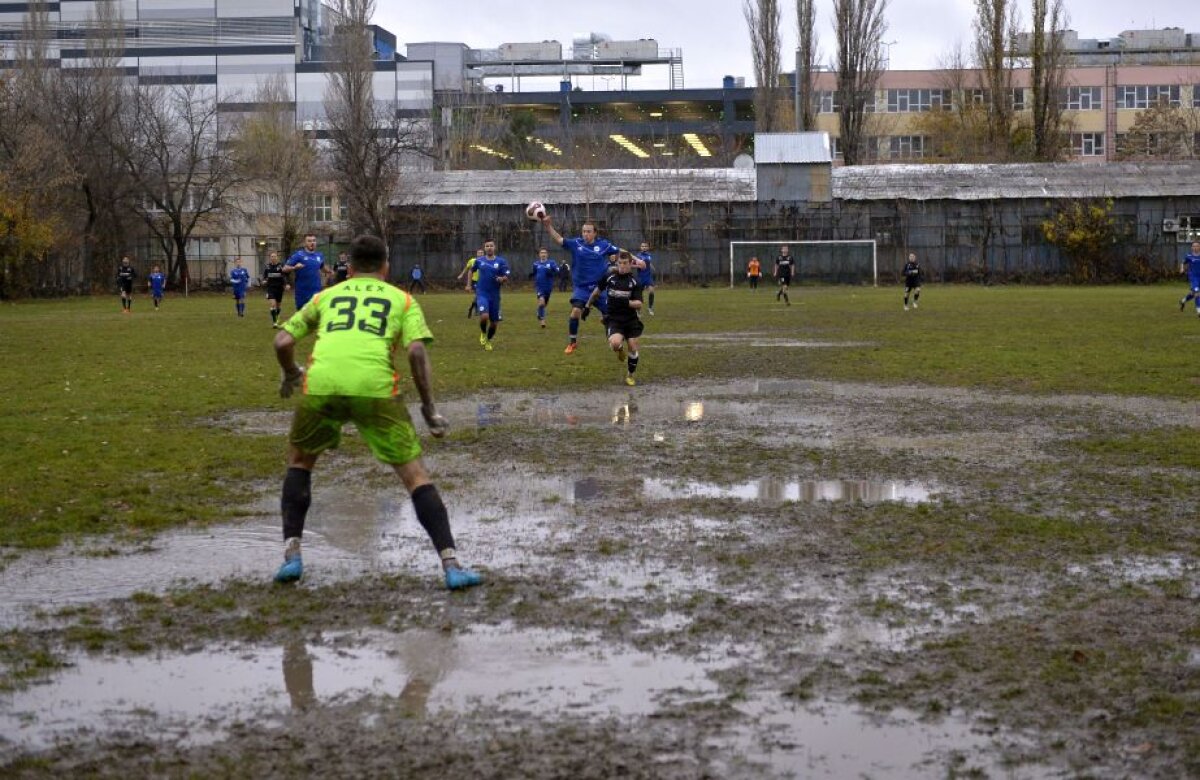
column 175, row 150
column 859, row 26
column 1047, row 65
column 368, row 141
column 806, row 63
column 995, row 29
column 277, row 159
column 763, row 18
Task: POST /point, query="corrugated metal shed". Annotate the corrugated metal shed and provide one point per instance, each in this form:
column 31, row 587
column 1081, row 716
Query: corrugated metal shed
column 859, row 183
column 791, row 148
column 1017, row 181
column 480, row 188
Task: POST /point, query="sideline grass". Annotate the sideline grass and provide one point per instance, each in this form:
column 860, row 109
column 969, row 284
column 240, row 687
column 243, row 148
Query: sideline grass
column 103, row 412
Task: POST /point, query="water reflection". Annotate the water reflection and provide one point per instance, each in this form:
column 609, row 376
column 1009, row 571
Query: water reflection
column 765, row 489
column 298, row 675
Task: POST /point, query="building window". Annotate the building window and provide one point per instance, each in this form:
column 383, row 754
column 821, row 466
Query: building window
column 1087, row 144
column 906, row 147
column 1196, row 96
column 835, row 147
column 1081, row 99
column 900, row 101
column 320, row 208
column 1018, row 99
column 268, row 203
column 1145, row 96
column 828, row 102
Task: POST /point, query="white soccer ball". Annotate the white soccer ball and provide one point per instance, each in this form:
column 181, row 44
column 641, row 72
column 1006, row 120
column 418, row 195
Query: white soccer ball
column 535, row 210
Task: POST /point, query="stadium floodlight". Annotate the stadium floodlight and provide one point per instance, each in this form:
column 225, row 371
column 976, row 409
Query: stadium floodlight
column 846, row 261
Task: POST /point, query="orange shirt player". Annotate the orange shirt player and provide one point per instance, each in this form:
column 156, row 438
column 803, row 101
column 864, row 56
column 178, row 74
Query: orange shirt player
column 753, row 272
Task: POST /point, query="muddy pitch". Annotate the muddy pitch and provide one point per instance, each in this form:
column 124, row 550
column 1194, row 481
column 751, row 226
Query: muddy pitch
column 741, row 579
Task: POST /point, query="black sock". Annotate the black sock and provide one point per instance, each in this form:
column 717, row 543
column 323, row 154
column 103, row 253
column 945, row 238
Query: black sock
column 483, row 326
column 632, row 362
column 491, row 331
column 297, row 496
column 651, row 300
column 432, row 515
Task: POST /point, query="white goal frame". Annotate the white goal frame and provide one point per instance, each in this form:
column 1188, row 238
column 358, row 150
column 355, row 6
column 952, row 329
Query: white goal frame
column 733, row 272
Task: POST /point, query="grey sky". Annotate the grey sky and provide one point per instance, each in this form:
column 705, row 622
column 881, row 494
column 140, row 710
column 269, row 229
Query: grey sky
column 712, row 33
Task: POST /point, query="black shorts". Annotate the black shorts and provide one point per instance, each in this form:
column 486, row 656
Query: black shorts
column 785, row 279
column 275, row 293
column 910, row 284
column 629, row 328
column 126, row 287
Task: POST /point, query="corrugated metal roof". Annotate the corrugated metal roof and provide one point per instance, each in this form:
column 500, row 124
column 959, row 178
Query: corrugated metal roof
column 1017, row 181
column 865, row 182
column 775, row 148
column 504, row 188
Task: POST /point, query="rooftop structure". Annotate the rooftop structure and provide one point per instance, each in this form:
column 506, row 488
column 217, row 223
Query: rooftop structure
column 1131, row 47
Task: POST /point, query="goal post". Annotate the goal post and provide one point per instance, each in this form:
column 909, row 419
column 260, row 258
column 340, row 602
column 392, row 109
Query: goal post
column 847, row 261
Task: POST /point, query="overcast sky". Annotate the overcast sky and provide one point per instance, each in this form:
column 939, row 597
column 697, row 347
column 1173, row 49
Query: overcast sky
column 712, row 33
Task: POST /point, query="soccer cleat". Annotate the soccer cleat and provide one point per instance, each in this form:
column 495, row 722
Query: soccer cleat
column 570, row 350
column 291, row 570
column 629, row 380
column 652, row 312
column 542, row 323
column 621, row 354
column 482, row 339
column 914, row 304
column 458, row 578
column 487, row 346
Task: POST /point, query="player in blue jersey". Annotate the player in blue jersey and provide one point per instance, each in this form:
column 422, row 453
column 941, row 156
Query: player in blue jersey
column 589, row 263
column 308, row 265
column 1191, row 267
column 645, row 275
column 240, row 279
column 493, row 272
column 544, row 272
column 156, row 282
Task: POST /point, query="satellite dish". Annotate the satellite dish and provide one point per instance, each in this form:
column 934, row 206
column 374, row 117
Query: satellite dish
column 743, row 162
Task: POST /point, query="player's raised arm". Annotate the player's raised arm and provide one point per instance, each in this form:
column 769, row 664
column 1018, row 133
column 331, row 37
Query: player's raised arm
column 549, row 225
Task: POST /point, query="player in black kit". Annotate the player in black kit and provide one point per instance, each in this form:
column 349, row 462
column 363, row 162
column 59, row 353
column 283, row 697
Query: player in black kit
column 275, row 280
column 622, row 324
column 341, row 269
column 912, row 280
column 784, row 265
column 126, row 273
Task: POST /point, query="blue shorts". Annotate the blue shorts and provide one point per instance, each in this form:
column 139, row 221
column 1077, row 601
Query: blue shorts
column 1195, row 284
column 239, row 292
column 544, row 294
column 489, row 305
column 646, row 280
column 580, row 295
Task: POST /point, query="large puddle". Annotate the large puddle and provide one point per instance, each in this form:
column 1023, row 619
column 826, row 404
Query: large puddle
column 196, row 698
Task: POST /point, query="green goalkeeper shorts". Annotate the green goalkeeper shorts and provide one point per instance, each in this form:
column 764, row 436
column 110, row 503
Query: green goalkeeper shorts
column 384, row 424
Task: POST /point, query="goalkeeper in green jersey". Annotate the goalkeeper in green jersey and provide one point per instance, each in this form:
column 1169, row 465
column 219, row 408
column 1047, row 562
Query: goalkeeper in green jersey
column 360, row 324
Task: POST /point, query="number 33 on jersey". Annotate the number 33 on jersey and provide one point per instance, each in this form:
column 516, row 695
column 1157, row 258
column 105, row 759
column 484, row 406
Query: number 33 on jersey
column 359, row 326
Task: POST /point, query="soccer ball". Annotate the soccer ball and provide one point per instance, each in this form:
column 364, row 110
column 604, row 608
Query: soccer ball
column 535, row 210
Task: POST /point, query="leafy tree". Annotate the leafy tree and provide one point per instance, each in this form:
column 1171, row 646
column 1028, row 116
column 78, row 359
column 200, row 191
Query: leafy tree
column 1087, row 233
column 1161, row 132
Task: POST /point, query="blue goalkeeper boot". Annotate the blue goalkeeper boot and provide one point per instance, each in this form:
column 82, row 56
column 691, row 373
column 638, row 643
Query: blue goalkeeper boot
column 293, row 567
column 458, row 578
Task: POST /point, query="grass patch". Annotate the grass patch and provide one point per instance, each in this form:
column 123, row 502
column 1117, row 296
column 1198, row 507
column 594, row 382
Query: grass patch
column 107, row 415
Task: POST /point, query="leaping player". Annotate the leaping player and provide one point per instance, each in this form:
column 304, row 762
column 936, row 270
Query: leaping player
column 589, row 262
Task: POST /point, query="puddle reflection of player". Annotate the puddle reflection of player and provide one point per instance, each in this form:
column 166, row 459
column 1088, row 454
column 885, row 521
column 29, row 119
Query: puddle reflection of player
column 428, row 657
column 623, row 413
column 298, row 675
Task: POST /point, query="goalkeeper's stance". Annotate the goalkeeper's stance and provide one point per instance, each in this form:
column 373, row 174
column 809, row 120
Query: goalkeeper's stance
column 359, row 325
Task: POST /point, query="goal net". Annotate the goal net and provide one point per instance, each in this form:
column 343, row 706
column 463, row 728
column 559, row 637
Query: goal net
column 850, row 261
